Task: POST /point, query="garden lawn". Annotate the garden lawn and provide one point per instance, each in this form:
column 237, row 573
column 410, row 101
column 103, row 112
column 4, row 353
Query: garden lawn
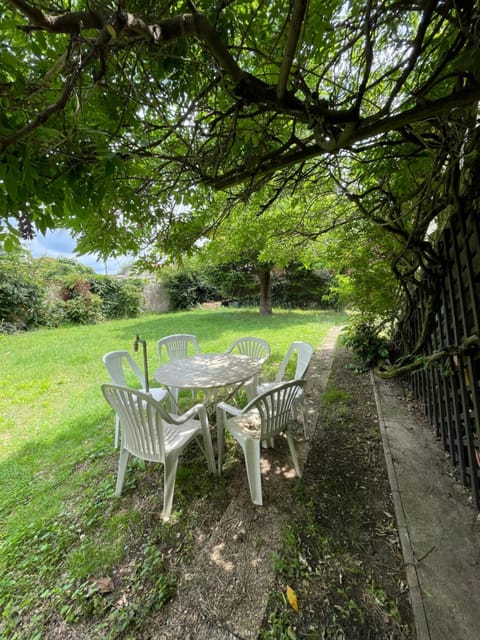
column 61, row 528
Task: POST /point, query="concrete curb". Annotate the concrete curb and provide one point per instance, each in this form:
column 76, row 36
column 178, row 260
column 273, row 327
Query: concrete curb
column 413, row 580
column 438, row 527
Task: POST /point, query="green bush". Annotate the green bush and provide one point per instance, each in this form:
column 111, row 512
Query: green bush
column 22, row 300
column 187, row 289
column 48, row 269
column 75, row 287
column 54, row 314
column 364, row 338
column 84, row 309
column 233, row 281
column 24, row 304
column 300, row 288
column 293, row 287
column 121, row 298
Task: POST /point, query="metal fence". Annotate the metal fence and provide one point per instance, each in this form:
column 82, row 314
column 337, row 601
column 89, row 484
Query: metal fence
column 449, row 389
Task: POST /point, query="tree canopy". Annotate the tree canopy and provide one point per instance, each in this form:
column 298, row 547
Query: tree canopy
column 141, row 126
column 113, row 115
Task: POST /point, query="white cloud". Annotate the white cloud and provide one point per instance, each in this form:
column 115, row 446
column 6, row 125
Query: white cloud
column 60, row 244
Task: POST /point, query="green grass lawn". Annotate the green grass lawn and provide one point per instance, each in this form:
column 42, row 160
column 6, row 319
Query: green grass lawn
column 61, row 527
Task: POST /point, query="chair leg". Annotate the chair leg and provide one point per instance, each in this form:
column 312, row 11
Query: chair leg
column 251, row 449
column 117, row 431
column 220, row 442
column 208, row 450
column 169, row 477
column 293, row 452
column 250, row 388
column 122, row 467
column 300, row 404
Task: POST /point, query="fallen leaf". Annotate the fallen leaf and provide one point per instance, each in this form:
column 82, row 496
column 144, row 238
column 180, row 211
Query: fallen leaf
column 292, row 598
column 104, row 585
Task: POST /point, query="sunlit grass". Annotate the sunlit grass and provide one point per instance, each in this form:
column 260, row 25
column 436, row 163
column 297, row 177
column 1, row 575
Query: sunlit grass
column 59, row 521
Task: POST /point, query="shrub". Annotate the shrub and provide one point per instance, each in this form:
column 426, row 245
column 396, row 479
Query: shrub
column 22, row 300
column 293, row 287
column 121, row 298
column 47, row 269
column 54, row 314
column 24, row 283
column 84, row 309
column 364, row 338
column 233, row 281
column 300, row 288
column 187, row 289
column 74, row 287
column 8, row 328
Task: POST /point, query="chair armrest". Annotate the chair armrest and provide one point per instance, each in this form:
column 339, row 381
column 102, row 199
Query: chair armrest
column 198, row 409
column 229, row 408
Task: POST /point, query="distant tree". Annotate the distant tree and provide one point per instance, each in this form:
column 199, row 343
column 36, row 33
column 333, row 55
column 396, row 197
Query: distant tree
column 251, row 241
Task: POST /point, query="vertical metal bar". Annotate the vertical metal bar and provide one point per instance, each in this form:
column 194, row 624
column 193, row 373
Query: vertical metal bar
column 469, row 392
column 452, row 334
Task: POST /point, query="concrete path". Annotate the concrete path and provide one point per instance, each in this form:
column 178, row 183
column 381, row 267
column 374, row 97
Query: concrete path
column 439, row 529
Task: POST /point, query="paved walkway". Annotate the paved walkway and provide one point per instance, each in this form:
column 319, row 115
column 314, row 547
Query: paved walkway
column 439, row 529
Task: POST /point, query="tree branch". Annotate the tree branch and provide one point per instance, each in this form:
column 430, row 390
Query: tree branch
column 70, row 23
column 59, row 104
column 472, row 343
column 368, row 57
column 414, row 55
column 298, row 14
column 364, row 131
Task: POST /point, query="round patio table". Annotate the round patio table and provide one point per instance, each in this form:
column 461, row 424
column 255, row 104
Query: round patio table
column 208, row 371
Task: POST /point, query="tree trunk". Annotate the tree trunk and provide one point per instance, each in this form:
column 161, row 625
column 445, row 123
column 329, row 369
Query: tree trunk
column 264, row 277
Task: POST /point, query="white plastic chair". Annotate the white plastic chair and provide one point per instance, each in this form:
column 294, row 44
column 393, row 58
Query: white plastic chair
column 174, row 347
column 266, row 416
column 179, row 345
column 255, row 348
column 117, row 363
column 151, row 433
column 303, row 351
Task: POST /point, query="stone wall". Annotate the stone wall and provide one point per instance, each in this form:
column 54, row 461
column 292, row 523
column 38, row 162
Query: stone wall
column 156, row 297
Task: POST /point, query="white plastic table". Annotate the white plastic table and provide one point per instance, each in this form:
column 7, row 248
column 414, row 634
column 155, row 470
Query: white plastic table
column 209, row 372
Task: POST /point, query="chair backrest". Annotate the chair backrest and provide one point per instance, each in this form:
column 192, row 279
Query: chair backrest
column 249, row 346
column 275, row 407
column 176, row 346
column 141, row 418
column 115, row 362
column 304, row 352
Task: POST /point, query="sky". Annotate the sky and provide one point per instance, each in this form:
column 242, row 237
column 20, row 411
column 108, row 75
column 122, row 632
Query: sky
column 60, row 244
